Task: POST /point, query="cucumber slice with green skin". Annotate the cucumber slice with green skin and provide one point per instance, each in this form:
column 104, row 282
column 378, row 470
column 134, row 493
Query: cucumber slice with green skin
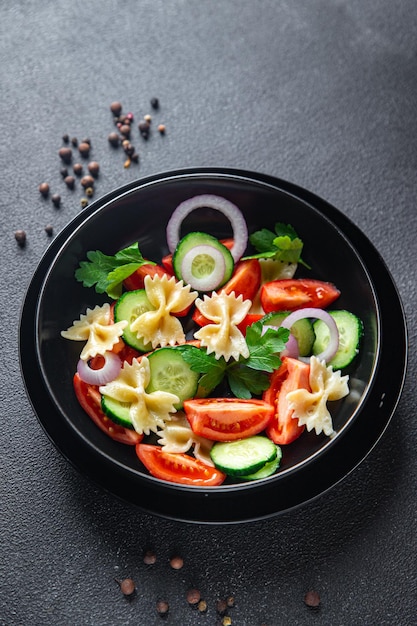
column 206, row 263
column 243, row 457
column 118, row 412
column 350, row 329
column 302, row 330
column 267, row 470
column 171, row 373
column 128, row 307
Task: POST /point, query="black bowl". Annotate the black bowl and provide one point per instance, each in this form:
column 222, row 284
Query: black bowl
column 336, row 250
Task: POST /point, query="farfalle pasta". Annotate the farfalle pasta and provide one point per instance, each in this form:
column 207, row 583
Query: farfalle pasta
column 177, row 436
column 222, row 336
column 97, row 330
column 160, row 327
column 148, row 411
column 310, row 407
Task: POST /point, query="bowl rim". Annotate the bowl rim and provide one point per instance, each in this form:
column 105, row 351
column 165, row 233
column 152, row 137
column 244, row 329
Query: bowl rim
column 343, row 224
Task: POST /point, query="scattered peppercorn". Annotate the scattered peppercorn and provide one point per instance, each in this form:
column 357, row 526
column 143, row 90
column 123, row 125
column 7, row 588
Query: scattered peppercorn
column 155, row 103
column 89, row 191
column 193, row 596
column 69, row 181
column 49, row 230
column 87, row 140
column 74, row 142
column 56, row 200
column 149, row 557
column 230, row 601
column 127, row 587
column 312, row 599
column 116, row 108
column 65, row 154
column 130, row 117
column 162, row 129
column 226, row 620
column 114, row 139
column 84, row 203
column 93, row 168
column 162, row 607
column 135, row 157
column 78, row 169
column 127, row 163
column 65, row 138
column 20, row 237
column 84, row 149
column 144, row 129
column 128, row 148
column 147, row 118
column 202, row 606
column 221, row 607
column 87, row 181
column 176, row 562
column 64, row 172
column 125, row 130
column 44, row 189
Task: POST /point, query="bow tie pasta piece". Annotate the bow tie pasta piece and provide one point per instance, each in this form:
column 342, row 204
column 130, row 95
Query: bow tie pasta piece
column 223, row 337
column 177, row 436
column 310, row 408
column 160, row 327
column 148, row 411
column 96, row 329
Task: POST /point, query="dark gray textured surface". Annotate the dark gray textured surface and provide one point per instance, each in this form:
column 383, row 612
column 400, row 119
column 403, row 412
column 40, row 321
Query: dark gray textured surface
column 318, row 92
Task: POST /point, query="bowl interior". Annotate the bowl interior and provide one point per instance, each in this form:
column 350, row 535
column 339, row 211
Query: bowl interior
column 141, row 214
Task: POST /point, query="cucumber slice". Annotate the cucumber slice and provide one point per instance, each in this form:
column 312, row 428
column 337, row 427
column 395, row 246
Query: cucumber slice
column 128, row 307
column 202, row 265
column 118, row 412
column 302, row 330
column 244, row 456
column 350, row 329
column 267, row 470
column 170, row 372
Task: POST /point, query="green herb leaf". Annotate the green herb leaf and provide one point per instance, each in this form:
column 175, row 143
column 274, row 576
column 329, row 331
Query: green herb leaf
column 281, row 245
column 245, row 382
column 264, row 347
column 107, row 273
column 212, row 369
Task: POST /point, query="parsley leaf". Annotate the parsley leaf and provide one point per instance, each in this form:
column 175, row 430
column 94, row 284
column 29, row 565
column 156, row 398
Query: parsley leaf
column 107, row 273
column 281, row 245
column 248, row 376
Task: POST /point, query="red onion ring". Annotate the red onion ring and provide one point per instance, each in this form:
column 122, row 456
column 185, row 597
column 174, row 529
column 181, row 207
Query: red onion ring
column 310, row 312
column 291, row 347
column 205, row 283
column 229, row 210
column 110, row 370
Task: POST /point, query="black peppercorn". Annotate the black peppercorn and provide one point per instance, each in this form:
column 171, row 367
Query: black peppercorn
column 116, row 108
column 162, row 607
column 69, row 181
column 44, row 189
column 56, row 200
column 93, row 168
column 49, row 230
column 78, row 169
column 135, row 157
column 84, row 149
column 65, row 138
column 149, row 557
column 155, row 103
column 65, row 154
column 87, row 181
column 144, row 129
column 20, row 237
column 125, row 130
column 74, row 142
column 114, row 139
column 64, row 172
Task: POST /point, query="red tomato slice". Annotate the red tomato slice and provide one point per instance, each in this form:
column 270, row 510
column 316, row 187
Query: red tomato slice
column 245, row 281
column 90, row 399
column 291, row 375
column 178, row 467
column 136, row 280
column 297, row 293
column 227, row 419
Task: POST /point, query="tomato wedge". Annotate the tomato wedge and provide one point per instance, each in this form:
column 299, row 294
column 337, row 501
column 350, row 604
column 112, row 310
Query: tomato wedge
column 291, row 375
column 297, row 293
column 177, row 467
column 90, row 399
column 136, row 280
column 245, row 281
column 227, row 419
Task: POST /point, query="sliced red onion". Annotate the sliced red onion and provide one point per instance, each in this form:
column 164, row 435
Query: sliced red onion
column 229, row 210
column 205, row 282
column 310, row 312
column 110, row 370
